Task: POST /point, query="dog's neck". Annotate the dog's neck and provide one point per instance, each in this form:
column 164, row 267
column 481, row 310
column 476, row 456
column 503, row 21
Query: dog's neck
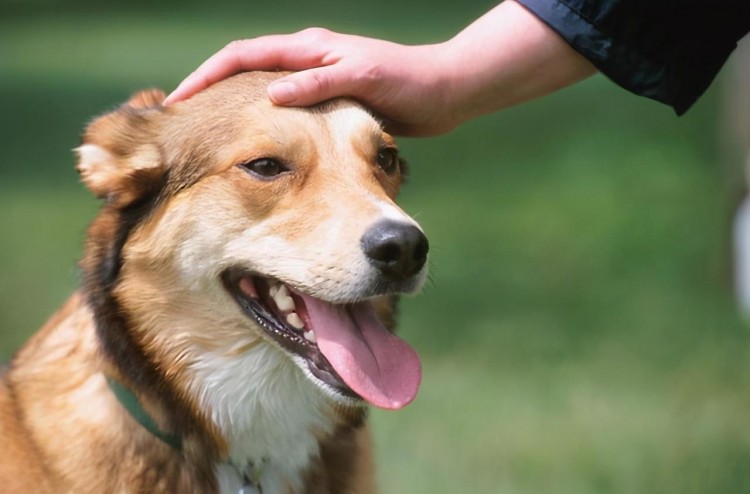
column 269, row 420
column 246, row 479
column 270, row 415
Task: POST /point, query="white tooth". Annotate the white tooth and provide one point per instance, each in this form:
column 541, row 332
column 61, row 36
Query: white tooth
column 283, row 300
column 293, row 319
column 310, row 336
column 273, row 289
column 285, row 304
column 282, row 291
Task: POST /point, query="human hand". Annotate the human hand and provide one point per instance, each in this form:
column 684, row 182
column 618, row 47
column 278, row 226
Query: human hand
column 405, row 85
column 505, row 57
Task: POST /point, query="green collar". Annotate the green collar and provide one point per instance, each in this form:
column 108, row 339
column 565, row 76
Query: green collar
column 250, row 476
column 129, row 401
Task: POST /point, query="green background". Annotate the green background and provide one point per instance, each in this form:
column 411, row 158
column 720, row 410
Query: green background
column 578, row 333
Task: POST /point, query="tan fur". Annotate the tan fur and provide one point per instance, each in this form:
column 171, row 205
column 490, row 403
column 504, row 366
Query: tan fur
column 172, row 173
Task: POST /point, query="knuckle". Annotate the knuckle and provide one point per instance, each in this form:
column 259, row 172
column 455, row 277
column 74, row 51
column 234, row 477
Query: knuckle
column 319, row 83
column 316, row 34
column 368, row 75
column 234, row 45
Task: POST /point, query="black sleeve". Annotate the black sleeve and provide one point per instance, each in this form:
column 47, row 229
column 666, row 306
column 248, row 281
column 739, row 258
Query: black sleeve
column 667, row 50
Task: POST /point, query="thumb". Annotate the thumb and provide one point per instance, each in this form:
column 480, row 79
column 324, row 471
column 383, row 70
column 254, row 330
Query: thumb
column 311, row 86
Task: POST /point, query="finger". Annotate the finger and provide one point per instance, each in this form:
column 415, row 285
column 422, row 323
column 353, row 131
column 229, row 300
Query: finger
column 278, row 52
column 312, row 86
column 232, row 59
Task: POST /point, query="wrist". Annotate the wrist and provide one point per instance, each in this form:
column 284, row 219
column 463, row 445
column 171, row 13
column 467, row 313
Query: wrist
column 506, row 57
column 447, row 85
column 463, row 80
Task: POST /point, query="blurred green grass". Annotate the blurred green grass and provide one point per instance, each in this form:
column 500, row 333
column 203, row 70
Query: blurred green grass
column 578, row 334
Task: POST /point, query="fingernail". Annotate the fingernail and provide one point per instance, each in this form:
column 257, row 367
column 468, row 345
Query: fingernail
column 282, row 92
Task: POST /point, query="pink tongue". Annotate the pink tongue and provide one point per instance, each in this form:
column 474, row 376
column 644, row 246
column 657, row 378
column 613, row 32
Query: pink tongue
column 378, row 366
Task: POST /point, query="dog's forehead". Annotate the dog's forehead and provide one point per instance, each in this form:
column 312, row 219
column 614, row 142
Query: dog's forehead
column 341, row 123
column 345, row 116
column 248, row 91
column 338, row 118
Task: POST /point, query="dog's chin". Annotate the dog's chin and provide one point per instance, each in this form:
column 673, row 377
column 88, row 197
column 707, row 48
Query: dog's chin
column 356, row 360
column 282, row 315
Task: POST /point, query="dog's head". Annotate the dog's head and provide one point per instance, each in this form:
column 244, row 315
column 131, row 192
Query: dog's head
column 233, row 227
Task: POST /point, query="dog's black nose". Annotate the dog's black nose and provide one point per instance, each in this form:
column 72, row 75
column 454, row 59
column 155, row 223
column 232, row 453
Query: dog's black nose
column 398, row 250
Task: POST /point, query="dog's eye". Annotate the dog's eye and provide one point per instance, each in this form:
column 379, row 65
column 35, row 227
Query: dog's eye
column 388, row 160
column 264, row 167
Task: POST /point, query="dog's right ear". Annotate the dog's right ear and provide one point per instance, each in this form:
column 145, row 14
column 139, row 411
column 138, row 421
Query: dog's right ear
column 119, row 159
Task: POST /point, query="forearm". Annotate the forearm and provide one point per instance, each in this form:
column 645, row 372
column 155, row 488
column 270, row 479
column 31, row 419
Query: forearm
column 506, row 57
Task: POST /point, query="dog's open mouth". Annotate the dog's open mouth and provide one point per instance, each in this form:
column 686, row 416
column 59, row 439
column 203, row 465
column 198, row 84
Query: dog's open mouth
column 344, row 345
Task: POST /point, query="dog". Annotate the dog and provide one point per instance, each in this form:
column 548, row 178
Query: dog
column 230, row 329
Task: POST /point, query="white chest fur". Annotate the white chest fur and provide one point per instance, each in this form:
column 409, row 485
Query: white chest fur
column 269, row 413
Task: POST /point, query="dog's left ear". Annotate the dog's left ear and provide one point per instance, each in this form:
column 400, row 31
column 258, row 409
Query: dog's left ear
column 119, row 159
